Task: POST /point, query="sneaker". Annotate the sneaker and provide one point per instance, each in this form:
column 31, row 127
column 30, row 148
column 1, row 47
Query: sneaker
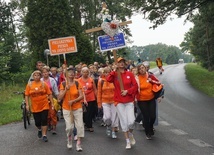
column 102, row 124
column 39, row 133
column 152, row 132
column 45, row 139
column 69, row 143
column 113, row 135
column 78, row 148
column 117, row 129
column 54, row 132
column 132, row 140
column 148, row 137
column 128, row 145
column 91, row 129
column 108, row 132
column 75, row 138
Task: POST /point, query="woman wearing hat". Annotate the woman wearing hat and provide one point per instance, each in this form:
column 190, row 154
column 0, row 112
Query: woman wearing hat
column 124, row 98
column 39, row 93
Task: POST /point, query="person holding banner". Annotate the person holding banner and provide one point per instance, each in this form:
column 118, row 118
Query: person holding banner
column 124, row 98
column 72, row 95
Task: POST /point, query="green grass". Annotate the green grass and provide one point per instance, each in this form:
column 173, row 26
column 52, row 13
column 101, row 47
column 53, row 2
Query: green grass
column 152, row 64
column 10, row 110
column 200, row 78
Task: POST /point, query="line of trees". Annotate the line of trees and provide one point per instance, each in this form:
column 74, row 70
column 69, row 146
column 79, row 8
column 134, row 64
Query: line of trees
column 200, row 39
column 169, row 54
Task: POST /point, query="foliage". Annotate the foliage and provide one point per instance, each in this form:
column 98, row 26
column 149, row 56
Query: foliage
column 169, row 54
column 158, row 11
column 87, row 12
column 53, row 19
column 6, row 40
column 199, row 40
column 186, row 44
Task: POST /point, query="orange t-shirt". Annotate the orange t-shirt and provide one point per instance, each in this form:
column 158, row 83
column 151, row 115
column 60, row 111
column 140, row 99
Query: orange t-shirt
column 38, row 93
column 71, row 94
column 88, row 89
column 146, row 92
column 105, row 92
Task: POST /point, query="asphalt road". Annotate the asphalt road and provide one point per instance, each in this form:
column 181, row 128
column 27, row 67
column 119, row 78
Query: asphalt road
column 186, row 126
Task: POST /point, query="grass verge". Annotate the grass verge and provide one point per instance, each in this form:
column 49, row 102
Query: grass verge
column 10, row 104
column 200, row 78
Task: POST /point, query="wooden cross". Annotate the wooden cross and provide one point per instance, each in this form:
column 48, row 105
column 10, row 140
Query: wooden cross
column 114, row 51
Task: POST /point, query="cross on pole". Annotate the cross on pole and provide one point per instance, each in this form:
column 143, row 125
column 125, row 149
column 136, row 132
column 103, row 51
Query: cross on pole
column 96, row 29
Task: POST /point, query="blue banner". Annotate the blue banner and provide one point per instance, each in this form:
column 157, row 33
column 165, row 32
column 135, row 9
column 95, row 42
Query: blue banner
column 107, row 43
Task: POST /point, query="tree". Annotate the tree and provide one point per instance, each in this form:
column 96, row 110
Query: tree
column 54, row 19
column 87, row 12
column 6, row 41
column 157, row 11
column 186, row 44
column 199, row 40
column 202, row 36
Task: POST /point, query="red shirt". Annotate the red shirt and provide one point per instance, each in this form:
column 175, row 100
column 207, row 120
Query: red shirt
column 129, row 84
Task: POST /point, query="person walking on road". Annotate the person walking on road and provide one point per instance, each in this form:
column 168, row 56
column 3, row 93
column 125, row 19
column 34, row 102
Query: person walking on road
column 90, row 92
column 159, row 64
column 147, row 65
column 38, row 93
column 72, row 95
column 105, row 100
column 52, row 114
column 146, row 100
column 124, row 99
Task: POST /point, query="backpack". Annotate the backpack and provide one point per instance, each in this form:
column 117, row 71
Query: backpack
column 158, row 90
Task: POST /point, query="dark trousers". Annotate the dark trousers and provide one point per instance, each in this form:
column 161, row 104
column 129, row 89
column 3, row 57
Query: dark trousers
column 90, row 113
column 148, row 109
column 41, row 118
column 139, row 116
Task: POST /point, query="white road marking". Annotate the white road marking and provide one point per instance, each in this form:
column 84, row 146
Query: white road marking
column 199, row 143
column 178, row 132
column 164, row 123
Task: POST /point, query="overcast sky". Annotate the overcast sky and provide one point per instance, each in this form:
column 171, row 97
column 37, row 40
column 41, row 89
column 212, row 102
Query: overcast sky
column 171, row 33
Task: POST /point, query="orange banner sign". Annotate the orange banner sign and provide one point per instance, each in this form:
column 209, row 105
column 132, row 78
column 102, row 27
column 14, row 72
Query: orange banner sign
column 62, row 45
